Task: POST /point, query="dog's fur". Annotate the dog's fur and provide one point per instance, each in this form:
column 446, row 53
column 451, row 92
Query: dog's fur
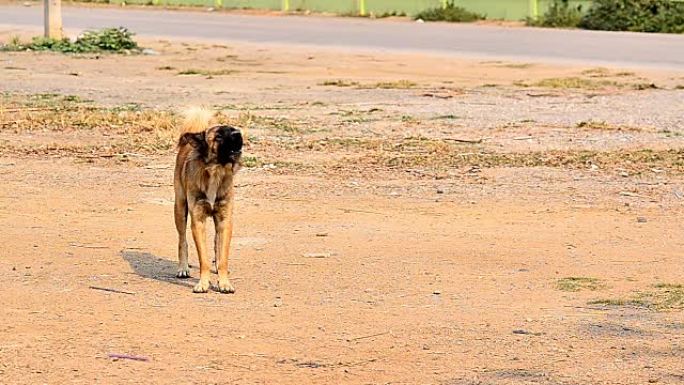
column 208, row 158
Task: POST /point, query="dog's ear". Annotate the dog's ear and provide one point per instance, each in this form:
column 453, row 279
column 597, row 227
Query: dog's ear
column 196, row 140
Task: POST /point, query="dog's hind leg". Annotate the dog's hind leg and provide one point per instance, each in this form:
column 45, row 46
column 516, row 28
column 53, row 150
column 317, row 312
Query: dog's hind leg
column 180, row 213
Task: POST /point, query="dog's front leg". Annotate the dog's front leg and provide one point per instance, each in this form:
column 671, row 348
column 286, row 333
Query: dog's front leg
column 199, row 211
column 223, row 217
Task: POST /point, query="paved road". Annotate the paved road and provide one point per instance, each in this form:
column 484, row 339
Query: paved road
column 628, row 49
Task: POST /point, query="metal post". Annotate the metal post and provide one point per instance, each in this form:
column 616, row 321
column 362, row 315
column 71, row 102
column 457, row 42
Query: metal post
column 286, row 6
column 53, row 19
column 534, row 9
column 362, row 7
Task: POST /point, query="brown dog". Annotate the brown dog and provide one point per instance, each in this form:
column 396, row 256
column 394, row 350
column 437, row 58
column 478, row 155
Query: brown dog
column 208, row 158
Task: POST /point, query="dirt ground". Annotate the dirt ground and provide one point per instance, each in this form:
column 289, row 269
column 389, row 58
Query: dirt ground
column 404, row 219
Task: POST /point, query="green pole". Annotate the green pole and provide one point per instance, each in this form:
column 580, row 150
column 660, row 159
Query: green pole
column 444, row 4
column 286, row 5
column 534, row 8
column 362, row 7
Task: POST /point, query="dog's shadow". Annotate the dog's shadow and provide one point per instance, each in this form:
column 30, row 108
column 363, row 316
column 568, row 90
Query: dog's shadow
column 150, row 266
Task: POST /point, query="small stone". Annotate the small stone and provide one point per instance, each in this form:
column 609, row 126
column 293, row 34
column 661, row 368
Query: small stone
column 624, row 174
column 321, row 234
column 149, row 51
column 641, row 219
column 436, row 292
column 440, row 191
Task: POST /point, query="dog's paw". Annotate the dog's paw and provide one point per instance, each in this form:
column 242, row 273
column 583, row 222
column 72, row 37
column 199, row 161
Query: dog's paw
column 201, row 287
column 225, row 287
column 183, row 272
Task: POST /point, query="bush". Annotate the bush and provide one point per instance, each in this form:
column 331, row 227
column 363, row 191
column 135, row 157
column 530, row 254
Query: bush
column 635, row 15
column 108, row 39
column 560, row 14
column 105, row 40
column 450, row 13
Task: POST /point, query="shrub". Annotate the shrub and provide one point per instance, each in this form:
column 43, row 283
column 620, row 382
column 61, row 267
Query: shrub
column 108, row 39
column 450, row 13
column 635, row 15
column 560, row 14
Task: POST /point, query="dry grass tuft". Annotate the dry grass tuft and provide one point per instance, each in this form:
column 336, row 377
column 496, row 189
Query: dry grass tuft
column 339, row 83
column 131, row 127
column 664, row 297
column 587, row 84
column 399, row 84
column 604, row 126
column 579, row 283
column 206, row 72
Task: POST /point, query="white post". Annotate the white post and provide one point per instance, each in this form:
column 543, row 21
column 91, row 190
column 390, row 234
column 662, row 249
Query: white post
column 53, row 19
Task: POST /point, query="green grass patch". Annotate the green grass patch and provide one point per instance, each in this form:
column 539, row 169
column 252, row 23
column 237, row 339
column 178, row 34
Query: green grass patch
column 450, row 13
column 560, row 14
column 389, row 14
column 635, row 15
column 115, row 40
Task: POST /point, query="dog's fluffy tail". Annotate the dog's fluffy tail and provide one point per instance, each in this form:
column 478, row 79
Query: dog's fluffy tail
column 196, row 119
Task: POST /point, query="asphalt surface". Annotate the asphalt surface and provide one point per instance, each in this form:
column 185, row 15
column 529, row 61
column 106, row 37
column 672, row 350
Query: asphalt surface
column 609, row 48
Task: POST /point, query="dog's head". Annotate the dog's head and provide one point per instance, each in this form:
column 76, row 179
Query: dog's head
column 218, row 144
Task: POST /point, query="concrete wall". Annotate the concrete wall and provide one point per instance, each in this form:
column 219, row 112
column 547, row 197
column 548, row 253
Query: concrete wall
column 493, row 9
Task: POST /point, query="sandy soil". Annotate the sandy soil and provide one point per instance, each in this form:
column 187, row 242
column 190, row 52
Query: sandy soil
column 430, row 274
